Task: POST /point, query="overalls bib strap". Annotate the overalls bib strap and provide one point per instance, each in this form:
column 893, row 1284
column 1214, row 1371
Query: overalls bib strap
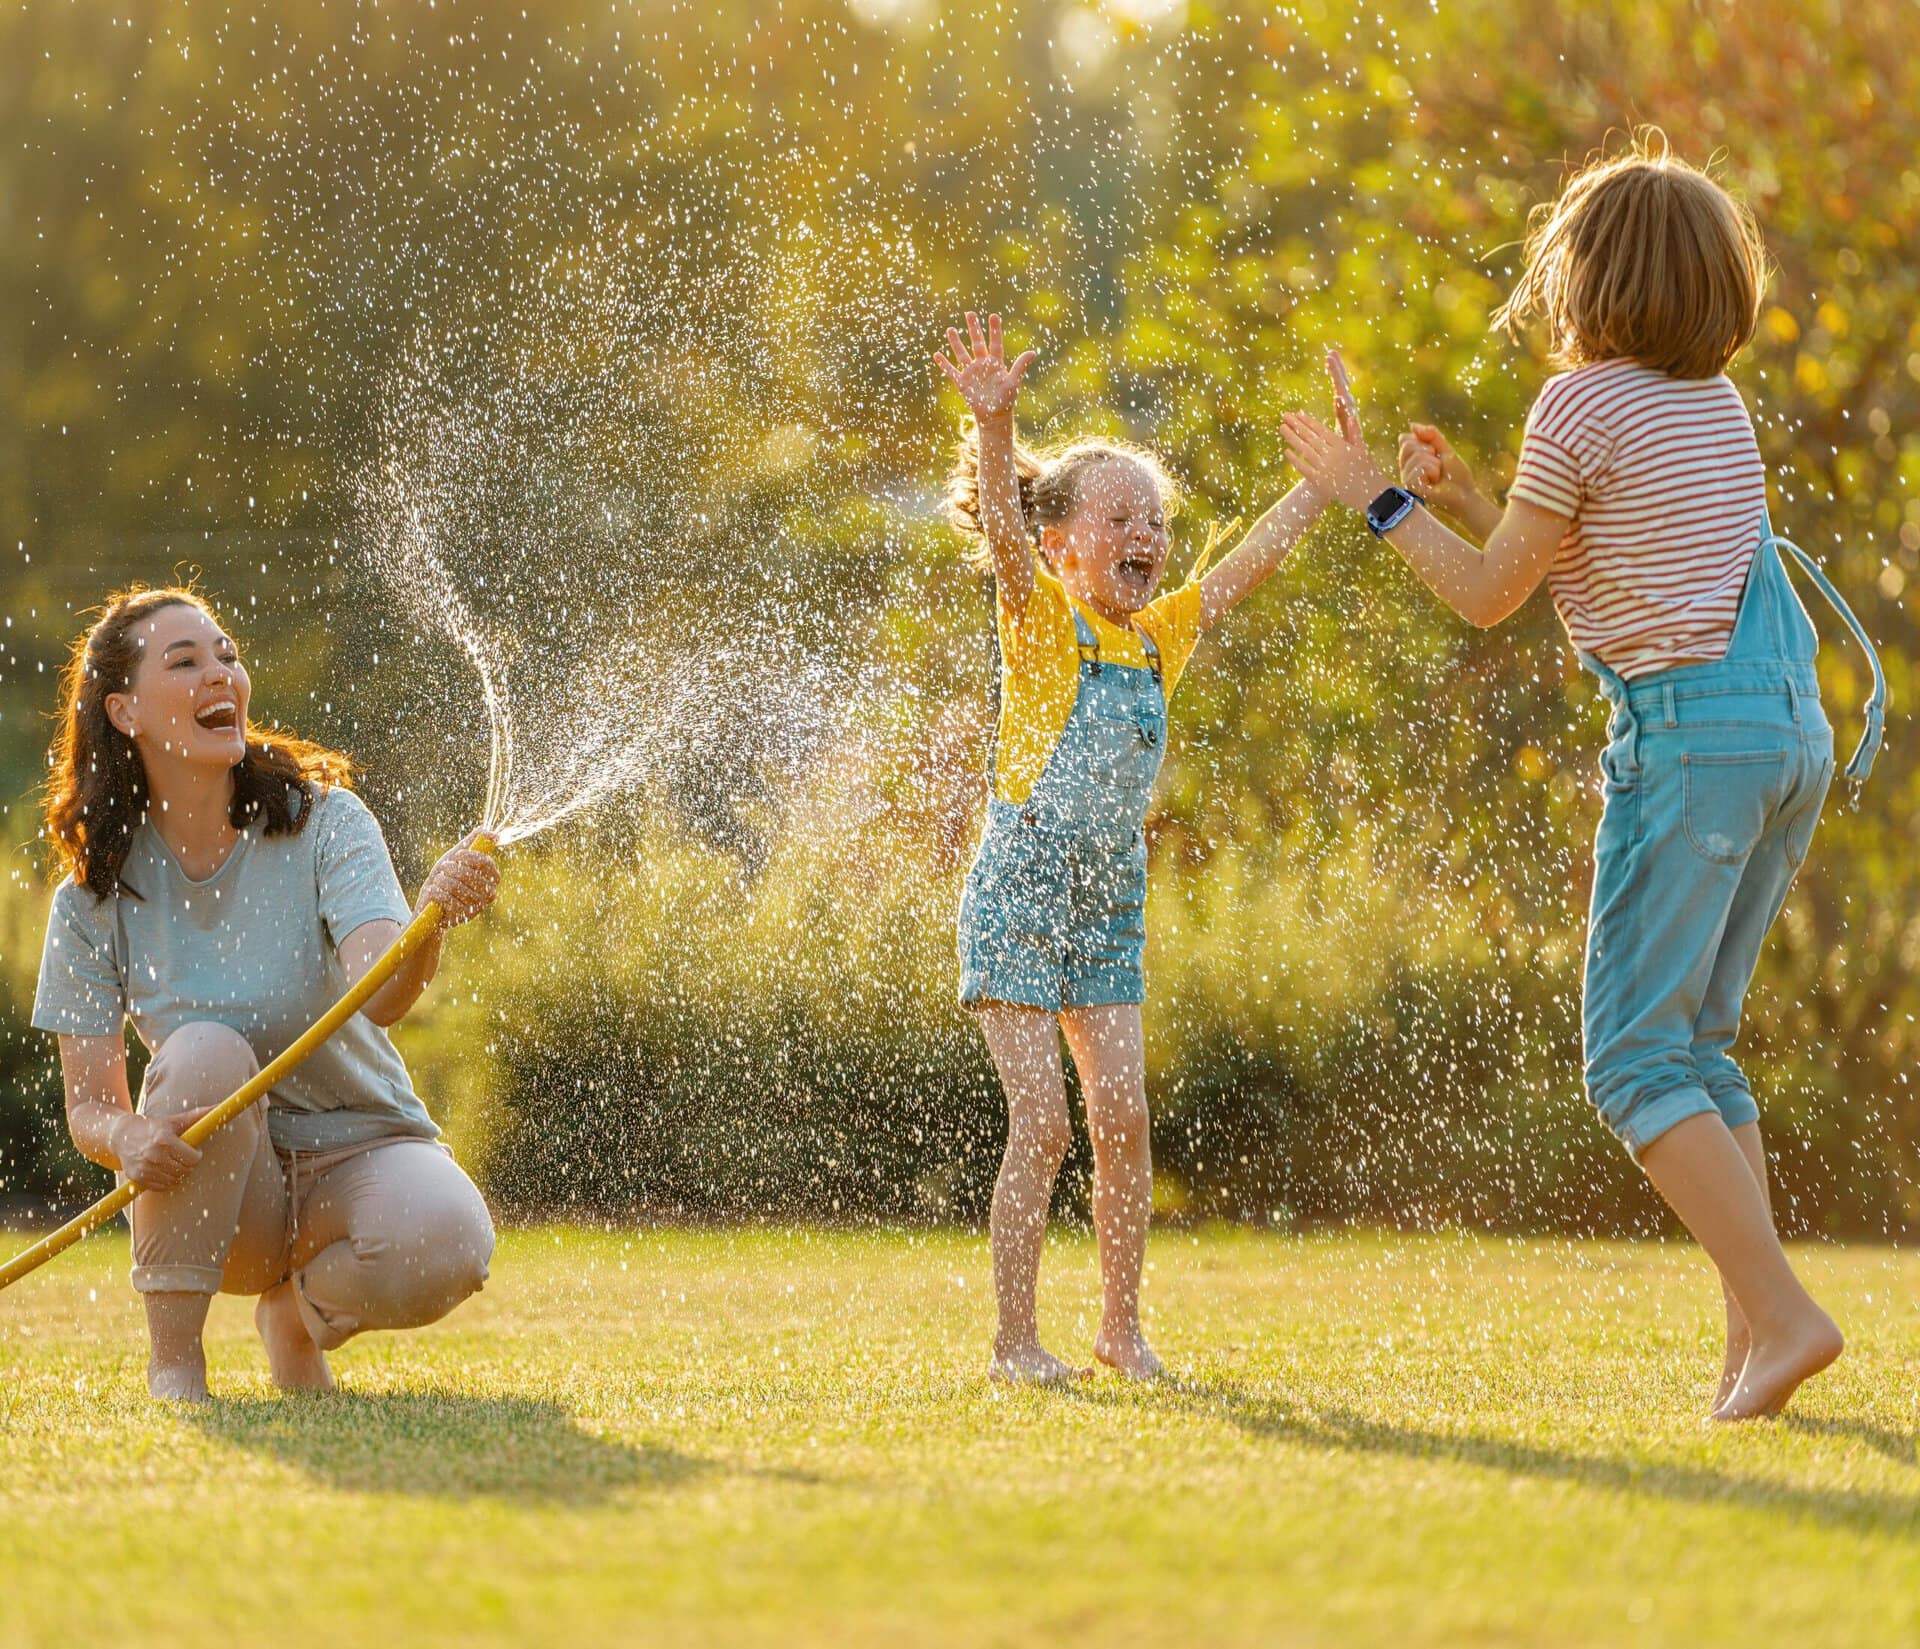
column 1089, row 643
column 1869, row 747
column 1090, row 660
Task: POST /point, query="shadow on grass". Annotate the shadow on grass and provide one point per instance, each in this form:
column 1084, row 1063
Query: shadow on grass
column 1902, row 1447
column 433, row 1443
column 1860, row 1510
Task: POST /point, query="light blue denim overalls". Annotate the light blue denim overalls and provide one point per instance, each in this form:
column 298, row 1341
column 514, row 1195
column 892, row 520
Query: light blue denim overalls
column 1714, row 780
column 1053, row 914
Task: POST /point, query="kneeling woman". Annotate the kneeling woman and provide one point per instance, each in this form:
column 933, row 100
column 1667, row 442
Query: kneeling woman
column 224, row 887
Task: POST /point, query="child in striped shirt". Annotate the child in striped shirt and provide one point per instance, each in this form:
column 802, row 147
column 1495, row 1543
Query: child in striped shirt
column 1640, row 498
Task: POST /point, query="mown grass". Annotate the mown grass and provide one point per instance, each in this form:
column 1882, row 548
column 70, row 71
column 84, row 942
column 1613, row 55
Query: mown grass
column 771, row 1437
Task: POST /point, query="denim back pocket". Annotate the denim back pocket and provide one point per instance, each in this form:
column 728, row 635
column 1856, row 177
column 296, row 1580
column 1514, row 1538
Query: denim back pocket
column 1727, row 801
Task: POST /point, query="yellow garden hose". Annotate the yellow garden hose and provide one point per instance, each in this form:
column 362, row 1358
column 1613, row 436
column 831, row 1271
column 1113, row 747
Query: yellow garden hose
column 418, row 931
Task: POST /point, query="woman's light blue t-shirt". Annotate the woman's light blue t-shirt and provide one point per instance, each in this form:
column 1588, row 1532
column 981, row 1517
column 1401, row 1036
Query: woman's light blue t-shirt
column 255, row 947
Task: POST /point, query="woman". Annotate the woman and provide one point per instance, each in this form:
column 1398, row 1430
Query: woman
column 224, row 887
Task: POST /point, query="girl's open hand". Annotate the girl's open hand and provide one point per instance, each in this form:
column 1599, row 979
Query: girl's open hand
column 979, row 370
column 1335, row 466
column 1430, row 467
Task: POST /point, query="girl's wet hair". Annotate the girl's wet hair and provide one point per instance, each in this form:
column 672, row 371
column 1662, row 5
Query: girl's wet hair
column 1050, row 480
column 96, row 791
column 1642, row 256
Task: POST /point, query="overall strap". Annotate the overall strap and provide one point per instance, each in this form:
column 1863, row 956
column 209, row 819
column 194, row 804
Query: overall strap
column 1088, row 640
column 1090, row 649
column 1869, row 747
column 1153, row 658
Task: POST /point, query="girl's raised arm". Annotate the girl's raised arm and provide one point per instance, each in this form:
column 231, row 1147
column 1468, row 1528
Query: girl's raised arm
column 978, row 367
column 1482, row 585
column 1259, row 553
column 1257, row 556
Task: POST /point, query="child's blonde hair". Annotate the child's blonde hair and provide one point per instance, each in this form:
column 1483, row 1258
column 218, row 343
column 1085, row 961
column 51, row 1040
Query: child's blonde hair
column 1643, row 256
column 1049, row 484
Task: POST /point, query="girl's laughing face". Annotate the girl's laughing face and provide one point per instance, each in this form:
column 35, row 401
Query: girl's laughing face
column 1112, row 550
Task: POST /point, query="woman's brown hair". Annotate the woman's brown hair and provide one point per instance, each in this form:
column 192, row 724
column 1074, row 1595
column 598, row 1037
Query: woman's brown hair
column 1049, row 483
column 1642, row 256
column 97, row 789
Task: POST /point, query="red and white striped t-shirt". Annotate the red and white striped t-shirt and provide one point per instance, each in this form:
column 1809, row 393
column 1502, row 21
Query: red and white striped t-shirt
column 1663, row 483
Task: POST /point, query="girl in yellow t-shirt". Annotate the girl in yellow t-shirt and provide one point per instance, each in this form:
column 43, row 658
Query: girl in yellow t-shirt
column 1052, row 921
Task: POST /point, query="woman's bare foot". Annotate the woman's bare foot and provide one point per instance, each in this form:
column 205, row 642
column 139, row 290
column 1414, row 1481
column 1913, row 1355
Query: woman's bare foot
column 179, row 1382
column 1129, row 1354
column 176, row 1360
column 1778, row 1363
column 1032, row 1365
column 297, row 1363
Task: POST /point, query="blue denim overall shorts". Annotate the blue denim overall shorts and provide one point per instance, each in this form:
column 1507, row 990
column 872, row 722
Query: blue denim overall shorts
column 1714, row 778
column 1053, row 914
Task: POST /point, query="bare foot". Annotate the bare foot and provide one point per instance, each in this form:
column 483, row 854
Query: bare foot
column 1777, row 1365
column 1032, row 1365
column 1129, row 1354
column 297, row 1363
column 1737, row 1348
column 179, row 1382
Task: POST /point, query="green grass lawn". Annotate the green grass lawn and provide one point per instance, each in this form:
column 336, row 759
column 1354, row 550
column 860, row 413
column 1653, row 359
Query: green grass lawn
column 769, row 1437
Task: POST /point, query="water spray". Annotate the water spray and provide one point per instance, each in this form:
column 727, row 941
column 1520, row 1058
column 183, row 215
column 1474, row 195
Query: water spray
column 418, row 931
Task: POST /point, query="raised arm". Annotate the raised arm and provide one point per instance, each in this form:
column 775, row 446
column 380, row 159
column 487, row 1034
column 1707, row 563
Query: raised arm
column 1482, row 584
column 1430, row 467
column 464, row 881
column 978, row 367
column 1257, row 556
column 1259, row 553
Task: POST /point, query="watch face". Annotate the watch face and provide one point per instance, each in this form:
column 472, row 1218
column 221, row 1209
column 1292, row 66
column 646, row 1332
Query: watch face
column 1391, row 508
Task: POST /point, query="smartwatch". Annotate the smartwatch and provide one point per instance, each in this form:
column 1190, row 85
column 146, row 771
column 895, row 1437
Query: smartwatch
column 1391, row 508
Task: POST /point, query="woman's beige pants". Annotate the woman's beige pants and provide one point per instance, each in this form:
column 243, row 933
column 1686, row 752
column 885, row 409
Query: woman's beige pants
column 388, row 1235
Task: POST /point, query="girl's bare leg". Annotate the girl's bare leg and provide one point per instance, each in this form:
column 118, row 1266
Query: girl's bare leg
column 1708, row 1182
column 1025, row 1044
column 1110, row 1054
column 1739, row 1340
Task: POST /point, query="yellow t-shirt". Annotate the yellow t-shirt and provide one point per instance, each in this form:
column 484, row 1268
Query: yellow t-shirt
column 1040, row 667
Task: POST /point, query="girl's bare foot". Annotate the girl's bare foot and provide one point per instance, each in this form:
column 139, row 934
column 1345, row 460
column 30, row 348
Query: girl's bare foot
column 1738, row 1345
column 1129, row 1354
column 297, row 1363
column 179, row 1382
column 1778, row 1363
column 1032, row 1365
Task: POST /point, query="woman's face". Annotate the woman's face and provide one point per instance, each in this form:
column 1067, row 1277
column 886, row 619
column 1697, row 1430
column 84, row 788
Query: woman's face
column 188, row 700
column 1112, row 550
